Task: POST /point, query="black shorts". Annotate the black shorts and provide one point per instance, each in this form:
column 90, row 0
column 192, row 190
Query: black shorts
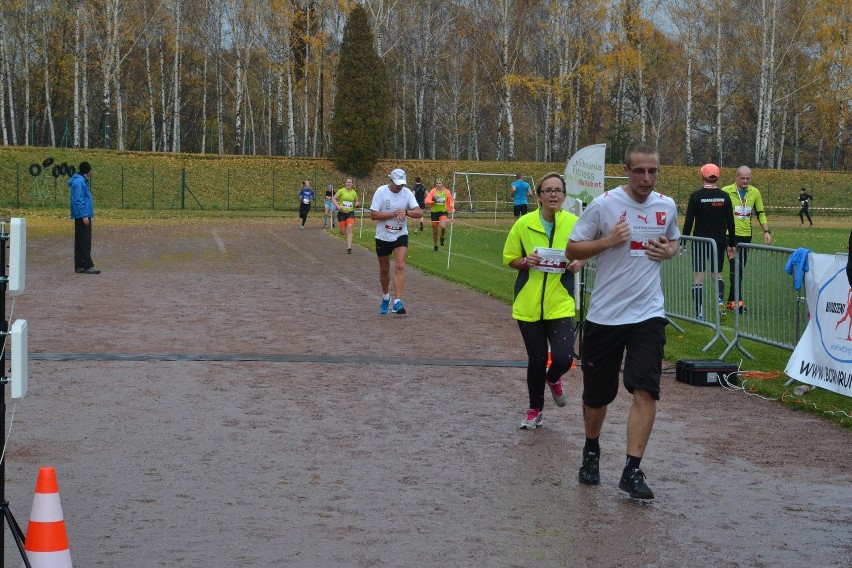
column 521, row 210
column 701, row 252
column 603, row 350
column 436, row 215
column 341, row 217
column 385, row 248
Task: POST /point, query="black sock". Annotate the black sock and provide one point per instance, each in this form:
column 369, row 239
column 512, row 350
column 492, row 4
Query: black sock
column 697, row 296
column 632, row 462
column 592, row 446
column 721, row 287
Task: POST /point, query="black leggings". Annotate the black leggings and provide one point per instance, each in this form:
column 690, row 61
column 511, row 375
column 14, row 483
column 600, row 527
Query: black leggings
column 803, row 212
column 559, row 334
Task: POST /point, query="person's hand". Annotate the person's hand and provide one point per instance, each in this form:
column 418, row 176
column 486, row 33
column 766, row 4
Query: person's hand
column 400, row 214
column 767, row 238
column 660, row 249
column 620, row 233
column 576, row 265
column 86, row 220
column 732, row 252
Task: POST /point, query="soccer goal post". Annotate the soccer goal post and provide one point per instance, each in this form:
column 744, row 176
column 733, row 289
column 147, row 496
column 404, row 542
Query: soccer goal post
column 484, row 192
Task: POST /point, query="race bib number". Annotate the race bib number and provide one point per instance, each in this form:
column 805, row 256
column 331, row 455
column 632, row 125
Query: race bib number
column 440, row 200
column 347, row 204
column 306, row 201
column 742, row 211
column 393, row 228
column 552, row 260
column 639, row 240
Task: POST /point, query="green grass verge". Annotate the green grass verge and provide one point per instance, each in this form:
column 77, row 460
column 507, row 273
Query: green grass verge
column 476, row 262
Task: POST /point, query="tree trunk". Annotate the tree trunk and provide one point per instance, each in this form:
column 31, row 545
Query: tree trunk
column 152, row 115
column 279, row 116
column 291, row 107
column 719, row 103
column 119, row 103
column 204, row 101
column 48, row 108
column 781, row 141
column 27, row 88
column 176, row 79
column 687, row 141
column 165, row 129
column 76, row 127
column 84, row 93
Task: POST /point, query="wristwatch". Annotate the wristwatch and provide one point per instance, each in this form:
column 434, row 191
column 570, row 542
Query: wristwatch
column 768, row 231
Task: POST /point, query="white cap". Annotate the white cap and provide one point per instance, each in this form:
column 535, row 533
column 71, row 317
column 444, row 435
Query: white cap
column 398, row 177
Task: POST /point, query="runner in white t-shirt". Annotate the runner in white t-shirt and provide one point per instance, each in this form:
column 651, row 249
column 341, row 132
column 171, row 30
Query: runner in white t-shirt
column 392, row 203
column 631, row 229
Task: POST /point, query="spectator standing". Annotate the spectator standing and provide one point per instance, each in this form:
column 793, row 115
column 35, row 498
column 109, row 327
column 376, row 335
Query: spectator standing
column 440, row 201
column 420, row 196
column 711, row 211
column 521, row 192
column 391, row 204
column 543, row 304
column 328, row 205
column 747, row 202
column 306, row 195
column 82, row 211
column 805, row 199
column 631, row 229
column 345, row 201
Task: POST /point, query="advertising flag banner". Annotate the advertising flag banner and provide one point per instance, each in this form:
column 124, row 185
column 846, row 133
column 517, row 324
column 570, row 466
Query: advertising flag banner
column 823, row 356
column 584, row 176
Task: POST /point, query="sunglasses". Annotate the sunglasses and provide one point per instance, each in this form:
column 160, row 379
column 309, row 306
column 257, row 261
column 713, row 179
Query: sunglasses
column 643, row 171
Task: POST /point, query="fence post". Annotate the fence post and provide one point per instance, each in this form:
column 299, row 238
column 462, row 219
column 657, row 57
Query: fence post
column 273, row 189
column 152, row 188
column 183, row 188
column 122, row 186
column 228, row 197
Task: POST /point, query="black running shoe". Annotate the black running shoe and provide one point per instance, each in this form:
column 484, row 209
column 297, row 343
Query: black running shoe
column 590, row 470
column 442, row 241
column 633, row 481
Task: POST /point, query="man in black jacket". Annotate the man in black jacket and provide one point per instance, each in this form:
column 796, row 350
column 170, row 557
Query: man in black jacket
column 711, row 211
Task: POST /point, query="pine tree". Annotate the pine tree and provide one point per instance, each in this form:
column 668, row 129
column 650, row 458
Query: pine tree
column 362, row 102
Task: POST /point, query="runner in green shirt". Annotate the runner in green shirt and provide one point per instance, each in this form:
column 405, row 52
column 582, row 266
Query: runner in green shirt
column 346, row 200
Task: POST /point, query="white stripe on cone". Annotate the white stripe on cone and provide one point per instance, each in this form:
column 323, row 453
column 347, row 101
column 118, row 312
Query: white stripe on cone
column 47, row 508
column 60, row 559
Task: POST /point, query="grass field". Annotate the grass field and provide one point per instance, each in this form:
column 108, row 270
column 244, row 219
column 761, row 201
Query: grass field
column 477, row 246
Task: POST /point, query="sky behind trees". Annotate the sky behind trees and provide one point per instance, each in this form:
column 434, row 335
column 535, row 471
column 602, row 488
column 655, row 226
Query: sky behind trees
column 766, row 83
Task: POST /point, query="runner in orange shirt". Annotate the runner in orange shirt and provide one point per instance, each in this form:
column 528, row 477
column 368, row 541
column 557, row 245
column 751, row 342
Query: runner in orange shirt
column 440, row 201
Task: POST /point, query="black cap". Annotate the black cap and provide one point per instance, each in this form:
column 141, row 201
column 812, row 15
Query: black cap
column 85, row 168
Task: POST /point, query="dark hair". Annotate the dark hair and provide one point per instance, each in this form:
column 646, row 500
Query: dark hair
column 546, row 177
column 640, row 147
column 85, row 167
column 517, row 176
column 417, row 179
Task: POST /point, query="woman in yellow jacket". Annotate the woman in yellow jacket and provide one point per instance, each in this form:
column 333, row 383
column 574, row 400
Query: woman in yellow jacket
column 543, row 303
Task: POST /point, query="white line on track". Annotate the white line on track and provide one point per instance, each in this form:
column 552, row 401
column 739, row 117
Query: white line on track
column 457, row 255
column 219, row 242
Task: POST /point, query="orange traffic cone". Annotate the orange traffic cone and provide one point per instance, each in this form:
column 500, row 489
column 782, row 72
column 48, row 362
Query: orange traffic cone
column 46, row 543
column 550, row 360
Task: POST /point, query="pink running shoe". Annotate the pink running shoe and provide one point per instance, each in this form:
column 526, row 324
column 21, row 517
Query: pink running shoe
column 557, row 392
column 534, row 419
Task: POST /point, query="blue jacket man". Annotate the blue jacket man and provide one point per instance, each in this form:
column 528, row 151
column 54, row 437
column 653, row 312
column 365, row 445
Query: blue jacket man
column 82, row 211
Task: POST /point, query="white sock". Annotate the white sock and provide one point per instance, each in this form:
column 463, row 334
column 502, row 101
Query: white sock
column 385, row 296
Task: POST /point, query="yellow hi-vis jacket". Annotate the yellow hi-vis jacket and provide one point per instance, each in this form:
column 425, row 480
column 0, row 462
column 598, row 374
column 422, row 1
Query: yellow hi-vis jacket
column 540, row 295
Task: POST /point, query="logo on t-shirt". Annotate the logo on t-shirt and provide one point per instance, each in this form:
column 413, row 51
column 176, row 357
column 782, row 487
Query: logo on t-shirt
column 643, row 217
column 661, row 217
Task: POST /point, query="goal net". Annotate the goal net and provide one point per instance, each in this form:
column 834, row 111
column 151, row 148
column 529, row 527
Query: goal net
column 484, row 194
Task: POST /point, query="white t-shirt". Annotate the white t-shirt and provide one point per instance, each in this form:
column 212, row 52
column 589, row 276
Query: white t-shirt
column 384, row 201
column 627, row 283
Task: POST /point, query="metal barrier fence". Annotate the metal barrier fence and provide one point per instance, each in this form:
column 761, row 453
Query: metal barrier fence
column 773, row 311
column 693, row 288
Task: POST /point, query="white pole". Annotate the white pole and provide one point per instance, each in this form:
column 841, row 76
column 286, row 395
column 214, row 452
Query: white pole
column 495, row 205
column 452, row 216
column 363, row 204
